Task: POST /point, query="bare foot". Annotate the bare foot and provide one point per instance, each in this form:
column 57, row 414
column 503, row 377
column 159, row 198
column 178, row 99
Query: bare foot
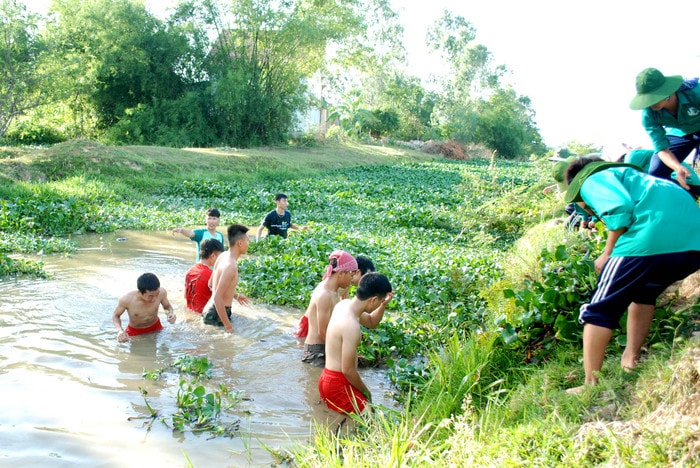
column 575, row 390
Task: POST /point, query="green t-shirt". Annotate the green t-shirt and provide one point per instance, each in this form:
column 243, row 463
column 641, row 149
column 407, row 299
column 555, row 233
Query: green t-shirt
column 201, row 234
column 660, row 216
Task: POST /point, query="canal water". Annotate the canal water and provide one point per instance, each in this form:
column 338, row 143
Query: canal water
column 70, row 394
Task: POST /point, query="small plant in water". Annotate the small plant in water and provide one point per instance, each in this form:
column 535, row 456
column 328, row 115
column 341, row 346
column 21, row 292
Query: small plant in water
column 197, row 365
column 153, row 374
column 201, row 411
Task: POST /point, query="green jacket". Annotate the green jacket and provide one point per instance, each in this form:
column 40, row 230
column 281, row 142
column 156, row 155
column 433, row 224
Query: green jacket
column 660, row 216
column 658, row 123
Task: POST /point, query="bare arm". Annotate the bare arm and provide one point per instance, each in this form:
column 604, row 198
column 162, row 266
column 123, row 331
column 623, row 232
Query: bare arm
column 613, row 236
column 260, row 230
column 228, row 276
column 117, row 320
column 371, row 320
column 185, row 232
column 324, row 309
column 670, row 160
column 169, row 312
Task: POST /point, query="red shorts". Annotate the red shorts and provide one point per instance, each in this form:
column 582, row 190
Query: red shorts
column 339, row 394
column 133, row 331
column 303, row 328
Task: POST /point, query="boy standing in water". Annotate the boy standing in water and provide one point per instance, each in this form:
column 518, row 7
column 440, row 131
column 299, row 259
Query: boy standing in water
column 198, row 235
column 340, row 384
column 224, row 280
column 339, row 272
column 279, row 220
column 197, row 292
column 142, row 306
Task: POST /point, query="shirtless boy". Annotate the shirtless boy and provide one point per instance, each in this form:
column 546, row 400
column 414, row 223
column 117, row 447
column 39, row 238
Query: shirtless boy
column 224, row 280
column 367, row 320
column 142, row 307
column 340, row 384
column 339, row 273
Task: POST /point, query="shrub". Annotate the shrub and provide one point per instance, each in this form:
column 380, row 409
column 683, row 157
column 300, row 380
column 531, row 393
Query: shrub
column 451, row 149
column 29, row 133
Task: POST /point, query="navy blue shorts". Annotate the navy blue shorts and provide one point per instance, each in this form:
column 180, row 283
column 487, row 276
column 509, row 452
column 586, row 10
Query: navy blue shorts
column 624, row 280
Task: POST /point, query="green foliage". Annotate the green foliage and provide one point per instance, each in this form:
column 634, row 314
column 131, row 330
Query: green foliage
column 20, row 267
column 548, row 308
column 198, row 366
column 199, row 410
column 475, row 107
column 119, row 53
column 28, row 132
column 23, row 81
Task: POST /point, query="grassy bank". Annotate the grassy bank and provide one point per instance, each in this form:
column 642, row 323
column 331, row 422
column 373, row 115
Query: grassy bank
column 481, row 372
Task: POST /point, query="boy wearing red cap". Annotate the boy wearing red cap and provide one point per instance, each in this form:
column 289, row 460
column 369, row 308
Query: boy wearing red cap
column 339, row 273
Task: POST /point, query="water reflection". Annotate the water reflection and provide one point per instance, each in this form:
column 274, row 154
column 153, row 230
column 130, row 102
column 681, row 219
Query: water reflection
column 69, row 388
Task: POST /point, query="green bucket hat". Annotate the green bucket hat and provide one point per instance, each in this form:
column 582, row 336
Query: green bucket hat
column 653, row 87
column 573, row 193
column 559, row 170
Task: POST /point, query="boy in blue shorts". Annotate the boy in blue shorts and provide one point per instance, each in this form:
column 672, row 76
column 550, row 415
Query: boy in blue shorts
column 652, row 242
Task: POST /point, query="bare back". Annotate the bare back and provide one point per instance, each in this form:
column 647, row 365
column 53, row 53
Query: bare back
column 321, row 305
column 342, row 339
column 224, row 279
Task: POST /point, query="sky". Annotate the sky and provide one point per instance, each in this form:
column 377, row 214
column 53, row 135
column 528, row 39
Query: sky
column 576, row 60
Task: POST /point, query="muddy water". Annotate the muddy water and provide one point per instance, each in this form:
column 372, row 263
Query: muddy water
column 68, row 388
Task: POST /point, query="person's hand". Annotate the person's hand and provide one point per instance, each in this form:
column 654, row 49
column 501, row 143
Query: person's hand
column 171, row 316
column 122, row 337
column 176, row 231
column 229, row 329
column 388, row 298
column 682, row 173
column 600, row 262
column 242, row 299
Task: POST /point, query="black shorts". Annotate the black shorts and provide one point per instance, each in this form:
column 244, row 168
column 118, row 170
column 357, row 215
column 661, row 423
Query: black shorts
column 315, row 354
column 210, row 317
column 624, row 280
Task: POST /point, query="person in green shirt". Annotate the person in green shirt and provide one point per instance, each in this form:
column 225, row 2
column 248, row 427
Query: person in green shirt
column 643, row 159
column 652, row 242
column 670, row 109
column 211, row 219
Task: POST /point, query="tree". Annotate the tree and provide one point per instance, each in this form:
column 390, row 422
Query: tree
column 475, row 106
column 119, row 54
column 22, row 78
column 505, row 123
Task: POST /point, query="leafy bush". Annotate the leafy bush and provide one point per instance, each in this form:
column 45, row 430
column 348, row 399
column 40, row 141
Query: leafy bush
column 26, row 132
column 548, row 308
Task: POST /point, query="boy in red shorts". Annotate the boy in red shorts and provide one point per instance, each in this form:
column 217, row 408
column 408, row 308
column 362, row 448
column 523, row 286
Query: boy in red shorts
column 142, row 306
column 340, row 384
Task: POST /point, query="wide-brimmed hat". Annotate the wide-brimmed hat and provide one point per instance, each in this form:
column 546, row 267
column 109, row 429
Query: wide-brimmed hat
column 573, row 193
column 653, row 87
column 559, row 170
